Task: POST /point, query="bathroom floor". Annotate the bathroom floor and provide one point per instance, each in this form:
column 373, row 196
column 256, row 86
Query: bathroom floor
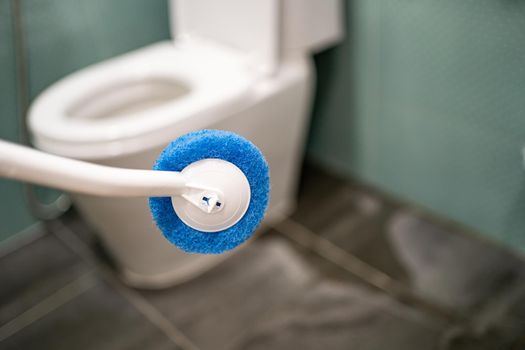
column 351, row 269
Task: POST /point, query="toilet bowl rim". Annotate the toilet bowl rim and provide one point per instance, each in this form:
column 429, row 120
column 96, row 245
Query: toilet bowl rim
column 208, row 94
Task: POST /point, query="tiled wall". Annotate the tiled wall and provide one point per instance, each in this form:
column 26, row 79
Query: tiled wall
column 63, row 36
column 13, row 214
column 426, row 99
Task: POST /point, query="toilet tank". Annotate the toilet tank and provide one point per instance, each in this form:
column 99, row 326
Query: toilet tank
column 260, row 28
column 311, row 25
column 250, row 26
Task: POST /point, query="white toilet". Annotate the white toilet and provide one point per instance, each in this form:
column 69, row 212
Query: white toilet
column 239, row 65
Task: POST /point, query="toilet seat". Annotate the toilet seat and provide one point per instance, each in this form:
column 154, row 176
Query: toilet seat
column 198, row 82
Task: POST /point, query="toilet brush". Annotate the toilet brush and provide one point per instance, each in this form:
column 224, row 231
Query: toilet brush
column 208, row 191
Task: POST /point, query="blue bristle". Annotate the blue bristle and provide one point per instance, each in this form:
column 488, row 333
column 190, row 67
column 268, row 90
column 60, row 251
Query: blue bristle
column 223, row 145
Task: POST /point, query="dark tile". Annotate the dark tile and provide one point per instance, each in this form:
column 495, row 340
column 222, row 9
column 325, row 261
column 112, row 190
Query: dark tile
column 486, row 341
column 349, row 219
column 365, row 237
column 355, row 219
column 277, row 294
column 34, row 272
column 316, row 183
column 98, row 318
column 319, row 194
column 322, row 268
column 378, row 252
column 273, row 278
column 439, row 262
column 341, row 316
column 512, row 322
column 499, row 324
column 324, row 196
column 447, row 271
column 450, row 267
column 215, row 308
column 321, row 208
column 78, row 226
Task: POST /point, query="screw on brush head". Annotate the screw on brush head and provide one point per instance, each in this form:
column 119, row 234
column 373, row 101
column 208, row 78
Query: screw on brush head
column 211, row 202
column 207, row 200
column 217, row 196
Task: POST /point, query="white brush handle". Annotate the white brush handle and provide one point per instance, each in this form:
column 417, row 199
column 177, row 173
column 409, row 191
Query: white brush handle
column 29, row 165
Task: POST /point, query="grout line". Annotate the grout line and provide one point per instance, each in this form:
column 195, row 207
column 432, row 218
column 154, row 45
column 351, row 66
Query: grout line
column 47, row 305
column 150, row 312
column 154, row 316
column 336, row 255
column 366, row 272
column 21, row 239
column 498, row 306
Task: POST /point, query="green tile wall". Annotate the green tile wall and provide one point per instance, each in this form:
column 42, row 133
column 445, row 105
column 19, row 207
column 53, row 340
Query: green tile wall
column 13, row 214
column 63, row 36
column 426, row 99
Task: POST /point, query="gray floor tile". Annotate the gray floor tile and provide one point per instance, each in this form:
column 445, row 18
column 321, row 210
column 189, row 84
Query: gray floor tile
column 216, row 308
column 327, row 202
column 96, row 319
column 449, row 267
column 278, row 294
column 341, row 316
column 375, row 250
column 356, row 221
column 499, row 325
column 315, row 185
column 34, row 272
column 444, row 265
column 440, row 263
column 270, row 286
column 323, row 268
column 74, row 222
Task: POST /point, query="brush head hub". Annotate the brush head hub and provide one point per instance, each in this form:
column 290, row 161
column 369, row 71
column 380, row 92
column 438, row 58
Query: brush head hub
column 217, row 198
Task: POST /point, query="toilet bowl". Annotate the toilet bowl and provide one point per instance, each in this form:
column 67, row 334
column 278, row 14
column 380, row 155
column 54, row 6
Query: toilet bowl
column 238, row 65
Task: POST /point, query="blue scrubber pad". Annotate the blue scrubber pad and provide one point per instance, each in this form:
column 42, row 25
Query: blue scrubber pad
column 221, row 145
